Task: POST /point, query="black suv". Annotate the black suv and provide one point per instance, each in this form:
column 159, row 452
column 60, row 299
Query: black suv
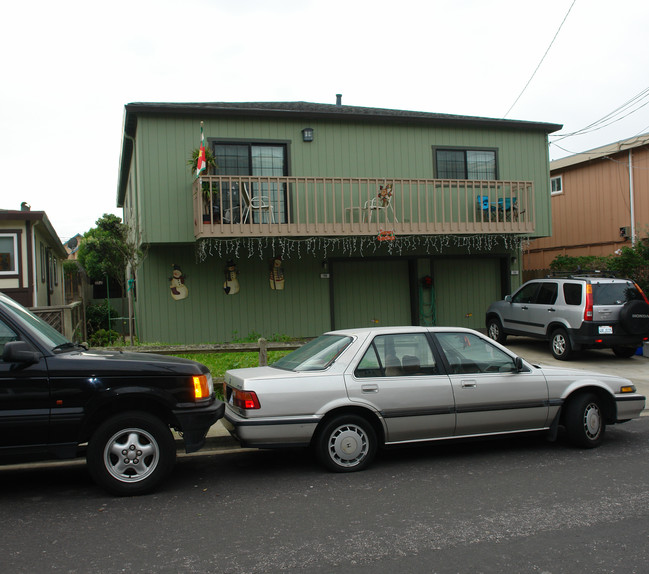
column 59, row 400
column 574, row 312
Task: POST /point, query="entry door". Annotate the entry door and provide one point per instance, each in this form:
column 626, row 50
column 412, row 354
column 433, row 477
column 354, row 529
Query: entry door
column 490, row 395
column 371, row 293
column 24, row 400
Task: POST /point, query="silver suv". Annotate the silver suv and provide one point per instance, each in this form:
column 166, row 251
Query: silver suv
column 574, row 312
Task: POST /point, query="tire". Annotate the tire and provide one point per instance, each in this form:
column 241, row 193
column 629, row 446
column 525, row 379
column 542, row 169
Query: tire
column 495, row 331
column 634, row 317
column 148, row 448
column 584, row 421
column 346, row 443
column 560, row 345
column 624, row 352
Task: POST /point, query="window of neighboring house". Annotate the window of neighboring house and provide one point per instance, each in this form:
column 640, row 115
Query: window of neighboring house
column 56, row 270
column 465, row 164
column 255, row 160
column 556, row 185
column 8, row 254
column 43, row 263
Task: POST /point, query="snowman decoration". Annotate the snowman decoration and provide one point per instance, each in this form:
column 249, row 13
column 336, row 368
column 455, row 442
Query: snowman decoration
column 231, row 285
column 177, row 284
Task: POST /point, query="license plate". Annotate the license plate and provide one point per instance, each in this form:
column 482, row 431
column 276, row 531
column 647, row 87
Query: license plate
column 606, row 330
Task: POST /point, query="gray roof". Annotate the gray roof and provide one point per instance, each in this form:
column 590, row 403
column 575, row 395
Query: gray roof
column 600, row 152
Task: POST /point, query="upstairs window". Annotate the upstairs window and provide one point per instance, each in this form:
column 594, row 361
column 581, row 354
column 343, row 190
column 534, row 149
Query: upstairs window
column 465, row 164
column 556, row 185
column 8, row 254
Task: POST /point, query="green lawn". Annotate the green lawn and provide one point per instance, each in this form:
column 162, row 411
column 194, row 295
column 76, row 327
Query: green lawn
column 218, row 363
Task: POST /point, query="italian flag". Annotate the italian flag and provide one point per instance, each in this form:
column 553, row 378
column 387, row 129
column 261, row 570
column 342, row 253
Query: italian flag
column 201, row 164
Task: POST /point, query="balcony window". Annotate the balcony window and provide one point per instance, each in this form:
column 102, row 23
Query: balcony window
column 267, row 160
column 465, row 164
column 8, row 254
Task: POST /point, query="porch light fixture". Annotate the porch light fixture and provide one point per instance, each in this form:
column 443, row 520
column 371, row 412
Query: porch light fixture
column 307, row 135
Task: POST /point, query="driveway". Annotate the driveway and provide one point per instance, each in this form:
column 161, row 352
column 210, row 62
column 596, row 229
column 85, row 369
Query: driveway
column 636, row 368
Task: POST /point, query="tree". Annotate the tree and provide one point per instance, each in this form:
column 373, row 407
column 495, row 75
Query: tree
column 108, row 251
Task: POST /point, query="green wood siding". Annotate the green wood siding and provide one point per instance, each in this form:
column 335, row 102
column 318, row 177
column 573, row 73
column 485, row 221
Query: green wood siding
column 371, row 293
column 464, row 288
column 341, row 149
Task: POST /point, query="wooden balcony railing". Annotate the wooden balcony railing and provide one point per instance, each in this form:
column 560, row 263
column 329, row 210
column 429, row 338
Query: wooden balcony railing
column 243, row 206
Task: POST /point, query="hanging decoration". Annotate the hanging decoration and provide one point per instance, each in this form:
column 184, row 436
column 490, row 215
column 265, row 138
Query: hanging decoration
column 385, row 193
column 231, row 284
column 386, row 236
column 287, row 247
column 276, row 274
column 177, row 284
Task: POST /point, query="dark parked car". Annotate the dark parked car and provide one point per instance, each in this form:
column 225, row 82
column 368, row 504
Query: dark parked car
column 59, row 400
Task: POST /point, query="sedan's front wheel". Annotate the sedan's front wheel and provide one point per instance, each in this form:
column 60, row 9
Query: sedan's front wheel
column 584, row 421
column 131, row 454
column 346, row 443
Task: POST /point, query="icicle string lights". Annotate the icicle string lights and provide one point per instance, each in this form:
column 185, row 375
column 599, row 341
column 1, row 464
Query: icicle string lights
column 286, row 248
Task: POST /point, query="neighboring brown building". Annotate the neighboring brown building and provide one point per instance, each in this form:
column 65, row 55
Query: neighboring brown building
column 600, row 201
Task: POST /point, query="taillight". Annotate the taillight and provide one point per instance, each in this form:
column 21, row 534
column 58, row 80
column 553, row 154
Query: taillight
column 588, row 311
column 202, row 386
column 246, row 400
column 641, row 293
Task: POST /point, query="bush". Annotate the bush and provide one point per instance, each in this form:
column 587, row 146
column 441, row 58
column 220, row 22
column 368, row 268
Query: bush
column 97, row 316
column 104, row 338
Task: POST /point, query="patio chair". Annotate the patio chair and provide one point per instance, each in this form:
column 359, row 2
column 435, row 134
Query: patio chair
column 256, row 204
column 382, row 202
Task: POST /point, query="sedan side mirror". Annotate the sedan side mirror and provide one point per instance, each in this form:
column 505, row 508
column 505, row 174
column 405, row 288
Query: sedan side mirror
column 518, row 363
column 20, row 352
column 508, row 298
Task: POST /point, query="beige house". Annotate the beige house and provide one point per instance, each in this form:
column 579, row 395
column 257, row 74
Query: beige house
column 31, row 258
column 600, row 202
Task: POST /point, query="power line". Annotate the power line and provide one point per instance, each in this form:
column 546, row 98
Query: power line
column 543, row 58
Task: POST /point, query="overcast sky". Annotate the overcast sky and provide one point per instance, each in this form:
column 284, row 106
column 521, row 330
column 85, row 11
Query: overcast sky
column 69, row 67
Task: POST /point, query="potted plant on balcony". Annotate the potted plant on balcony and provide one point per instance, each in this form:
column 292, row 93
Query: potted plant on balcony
column 205, row 186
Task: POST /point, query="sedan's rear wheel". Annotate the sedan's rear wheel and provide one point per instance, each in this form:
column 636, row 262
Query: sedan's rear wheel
column 584, row 421
column 346, row 443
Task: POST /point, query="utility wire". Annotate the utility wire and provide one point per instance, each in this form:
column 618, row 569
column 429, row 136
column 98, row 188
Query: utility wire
column 543, row 58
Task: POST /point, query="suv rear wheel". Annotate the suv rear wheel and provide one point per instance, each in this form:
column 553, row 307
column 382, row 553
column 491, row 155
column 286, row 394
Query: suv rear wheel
column 624, row 352
column 560, row 345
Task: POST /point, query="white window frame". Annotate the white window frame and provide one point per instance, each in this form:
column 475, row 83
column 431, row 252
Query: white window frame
column 560, row 180
column 16, row 257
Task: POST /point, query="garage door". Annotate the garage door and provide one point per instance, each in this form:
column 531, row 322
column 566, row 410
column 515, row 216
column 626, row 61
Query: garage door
column 370, row 293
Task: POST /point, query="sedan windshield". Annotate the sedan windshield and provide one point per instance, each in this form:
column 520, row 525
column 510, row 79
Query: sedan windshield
column 315, row 355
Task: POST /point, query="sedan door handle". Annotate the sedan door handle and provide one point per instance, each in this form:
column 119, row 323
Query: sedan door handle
column 370, row 388
column 524, row 307
column 551, row 310
column 469, row 384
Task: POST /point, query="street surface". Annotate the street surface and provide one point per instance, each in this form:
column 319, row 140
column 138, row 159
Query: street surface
column 519, row 505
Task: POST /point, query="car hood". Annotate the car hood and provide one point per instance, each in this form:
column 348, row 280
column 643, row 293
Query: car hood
column 112, row 362
column 562, row 372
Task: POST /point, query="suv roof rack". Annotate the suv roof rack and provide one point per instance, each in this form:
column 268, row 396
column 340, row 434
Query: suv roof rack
column 579, row 274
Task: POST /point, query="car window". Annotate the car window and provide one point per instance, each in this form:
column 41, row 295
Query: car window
column 526, row 294
column 6, row 335
column 547, row 294
column 398, row 355
column 572, row 293
column 468, row 353
column 316, row 355
column 614, row 293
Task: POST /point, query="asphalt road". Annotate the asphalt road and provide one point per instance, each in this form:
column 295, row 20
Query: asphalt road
column 511, row 505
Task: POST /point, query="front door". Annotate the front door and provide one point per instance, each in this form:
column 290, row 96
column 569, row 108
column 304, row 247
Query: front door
column 490, row 395
column 24, row 400
column 399, row 377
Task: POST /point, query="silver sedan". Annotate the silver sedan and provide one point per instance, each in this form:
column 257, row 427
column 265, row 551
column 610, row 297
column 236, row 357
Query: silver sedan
column 349, row 392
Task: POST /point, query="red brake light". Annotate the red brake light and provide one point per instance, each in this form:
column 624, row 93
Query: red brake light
column 588, row 311
column 245, row 399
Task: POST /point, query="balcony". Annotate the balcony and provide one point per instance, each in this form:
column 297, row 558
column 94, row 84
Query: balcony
column 245, row 206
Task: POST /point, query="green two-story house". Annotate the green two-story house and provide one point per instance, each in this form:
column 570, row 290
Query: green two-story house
column 312, row 216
